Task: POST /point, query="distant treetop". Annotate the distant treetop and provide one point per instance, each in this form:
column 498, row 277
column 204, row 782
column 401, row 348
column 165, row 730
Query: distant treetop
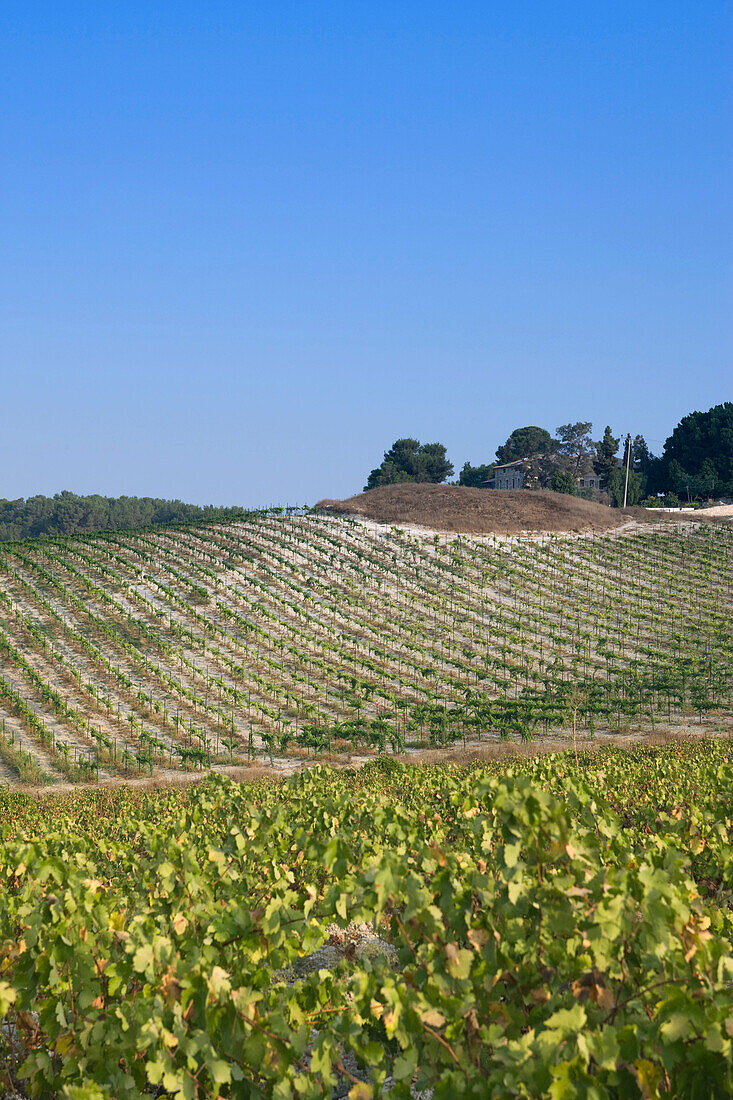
column 698, row 456
column 475, row 476
column 409, row 460
column 525, row 442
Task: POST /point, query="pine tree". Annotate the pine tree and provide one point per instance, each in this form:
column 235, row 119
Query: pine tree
column 605, row 461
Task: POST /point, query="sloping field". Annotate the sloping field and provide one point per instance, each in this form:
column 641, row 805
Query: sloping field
column 480, row 511
column 142, row 653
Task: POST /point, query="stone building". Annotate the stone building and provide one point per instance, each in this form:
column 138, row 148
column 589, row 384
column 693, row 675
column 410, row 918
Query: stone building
column 508, row 476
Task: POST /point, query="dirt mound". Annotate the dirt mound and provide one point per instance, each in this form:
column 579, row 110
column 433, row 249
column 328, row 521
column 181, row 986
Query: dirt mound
column 481, row 511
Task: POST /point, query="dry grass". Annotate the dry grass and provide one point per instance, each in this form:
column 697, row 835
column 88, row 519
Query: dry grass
column 495, row 750
column 511, row 750
column 240, row 773
column 486, row 511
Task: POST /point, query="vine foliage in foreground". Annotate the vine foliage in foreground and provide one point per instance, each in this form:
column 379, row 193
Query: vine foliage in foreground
column 540, row 937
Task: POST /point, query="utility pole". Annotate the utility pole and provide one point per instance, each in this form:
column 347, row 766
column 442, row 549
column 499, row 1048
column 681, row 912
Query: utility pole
column 628, row 460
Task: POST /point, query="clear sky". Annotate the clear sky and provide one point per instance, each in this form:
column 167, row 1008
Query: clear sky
column 244, row 246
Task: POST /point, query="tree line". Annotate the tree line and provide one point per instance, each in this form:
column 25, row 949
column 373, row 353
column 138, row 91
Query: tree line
column 68, row 514
column 696, row 463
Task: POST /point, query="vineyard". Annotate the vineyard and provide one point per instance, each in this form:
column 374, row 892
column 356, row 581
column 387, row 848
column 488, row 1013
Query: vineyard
column 559, row 929
column 298, row 635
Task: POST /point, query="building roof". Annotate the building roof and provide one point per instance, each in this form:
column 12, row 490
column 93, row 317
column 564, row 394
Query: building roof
column 516, row 462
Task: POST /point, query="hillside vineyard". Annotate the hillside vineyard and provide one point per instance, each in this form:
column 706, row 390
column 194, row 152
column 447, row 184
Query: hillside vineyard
column 135, row 652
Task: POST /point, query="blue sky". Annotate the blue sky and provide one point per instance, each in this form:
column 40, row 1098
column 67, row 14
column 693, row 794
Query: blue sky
column 245, row 246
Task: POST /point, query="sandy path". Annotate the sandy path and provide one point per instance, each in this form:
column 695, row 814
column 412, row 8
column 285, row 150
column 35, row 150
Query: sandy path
column 723, row 511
